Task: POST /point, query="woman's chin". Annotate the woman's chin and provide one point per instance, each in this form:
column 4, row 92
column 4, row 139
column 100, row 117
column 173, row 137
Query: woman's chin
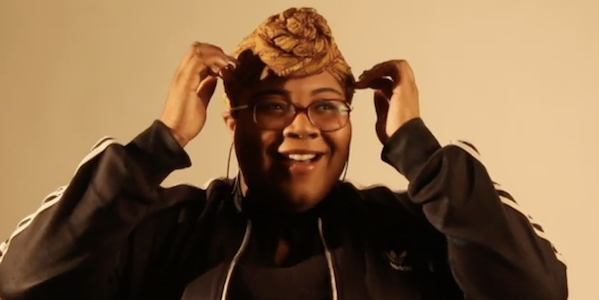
column 302, row 197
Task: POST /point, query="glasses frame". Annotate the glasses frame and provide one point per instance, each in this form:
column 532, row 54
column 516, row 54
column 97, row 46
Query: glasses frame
column 296, row 110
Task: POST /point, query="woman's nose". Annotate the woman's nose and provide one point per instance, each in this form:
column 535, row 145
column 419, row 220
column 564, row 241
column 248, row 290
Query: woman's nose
column 301, row 127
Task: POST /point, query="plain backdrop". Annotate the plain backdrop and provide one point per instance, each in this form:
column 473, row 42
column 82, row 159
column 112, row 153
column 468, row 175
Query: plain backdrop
column 517, row 78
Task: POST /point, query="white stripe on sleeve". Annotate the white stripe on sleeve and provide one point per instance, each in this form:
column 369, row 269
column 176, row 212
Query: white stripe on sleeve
column 55, row 196
column 505, row 198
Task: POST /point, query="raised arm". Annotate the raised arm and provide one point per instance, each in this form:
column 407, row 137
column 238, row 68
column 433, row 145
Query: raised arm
column 75, row 246
column 495, row 250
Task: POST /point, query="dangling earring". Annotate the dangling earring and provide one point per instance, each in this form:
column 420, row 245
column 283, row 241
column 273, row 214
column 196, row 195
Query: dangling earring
column 229, row 159
column 345, row 170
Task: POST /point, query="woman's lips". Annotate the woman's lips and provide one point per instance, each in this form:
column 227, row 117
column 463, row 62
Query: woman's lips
column 302, row 163
column 304, row 166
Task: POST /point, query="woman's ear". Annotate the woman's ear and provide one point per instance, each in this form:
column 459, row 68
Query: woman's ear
column 230, row 121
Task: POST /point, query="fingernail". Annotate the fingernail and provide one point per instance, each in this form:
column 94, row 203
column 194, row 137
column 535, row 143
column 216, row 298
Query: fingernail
column 232, row 64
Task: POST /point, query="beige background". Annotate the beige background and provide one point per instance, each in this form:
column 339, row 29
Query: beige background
column 517, row 78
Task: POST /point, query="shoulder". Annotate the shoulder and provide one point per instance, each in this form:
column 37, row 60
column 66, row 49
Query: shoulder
column 377, row 196
column 189, row 198
column 212, row 187
column 389, row 211
column 371, row 190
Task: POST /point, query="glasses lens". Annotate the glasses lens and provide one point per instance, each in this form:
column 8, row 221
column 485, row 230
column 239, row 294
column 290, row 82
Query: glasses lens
column 272, row 113
column 329, row 115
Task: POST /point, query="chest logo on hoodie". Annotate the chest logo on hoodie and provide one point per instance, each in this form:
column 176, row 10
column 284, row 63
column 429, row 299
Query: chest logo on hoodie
column 397, row 260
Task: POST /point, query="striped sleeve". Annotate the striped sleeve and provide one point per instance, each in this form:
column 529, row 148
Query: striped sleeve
column 76, row 245
column 495, row 250
column 506, row 198
column 53, row 198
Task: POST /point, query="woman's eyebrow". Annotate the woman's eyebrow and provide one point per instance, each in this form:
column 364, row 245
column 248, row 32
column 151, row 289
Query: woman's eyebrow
column 326, row 90
column 280, row 92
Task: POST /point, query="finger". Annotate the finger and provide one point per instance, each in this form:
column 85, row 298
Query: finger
column 189, row 54
column 383, row 84
column 215, row 66
column 405, row 71
column 203, row 67
column 226, row 74
column 212, row 57
column 203, row 49
column 384, row 69
column 398, row 71
column 206, row 89
column 206, row 57
column 381, row 105
column 208, row 50
column 376, row 83
column 233, row 62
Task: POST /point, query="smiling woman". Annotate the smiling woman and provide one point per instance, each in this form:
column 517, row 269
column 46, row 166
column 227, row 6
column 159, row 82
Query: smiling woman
column 286, row 227
column 305, row 117
column 291, row 94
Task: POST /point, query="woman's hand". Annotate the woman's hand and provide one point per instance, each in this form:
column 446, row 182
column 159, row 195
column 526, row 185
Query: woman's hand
column 192, row 88
column 395, row 96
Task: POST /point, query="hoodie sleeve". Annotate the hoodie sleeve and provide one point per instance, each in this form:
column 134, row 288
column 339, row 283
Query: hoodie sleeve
column 75, row 245
column 495, row 250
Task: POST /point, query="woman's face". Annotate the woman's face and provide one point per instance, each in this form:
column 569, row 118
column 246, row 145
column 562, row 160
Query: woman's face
column 277, row 164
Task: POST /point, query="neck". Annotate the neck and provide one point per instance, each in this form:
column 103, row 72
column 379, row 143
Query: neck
column 263, row 211
column 272, row 205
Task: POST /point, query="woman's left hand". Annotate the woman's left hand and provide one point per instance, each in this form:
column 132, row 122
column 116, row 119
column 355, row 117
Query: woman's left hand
column 395, row 96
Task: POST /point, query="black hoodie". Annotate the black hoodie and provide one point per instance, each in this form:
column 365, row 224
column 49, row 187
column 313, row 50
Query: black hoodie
column 115, row 233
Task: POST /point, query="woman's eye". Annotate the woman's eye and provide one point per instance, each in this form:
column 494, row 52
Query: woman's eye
column 275, row 106
column 327, row 106
column 272, row 106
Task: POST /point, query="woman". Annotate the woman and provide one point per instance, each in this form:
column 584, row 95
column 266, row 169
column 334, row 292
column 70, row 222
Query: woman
column 286, row 227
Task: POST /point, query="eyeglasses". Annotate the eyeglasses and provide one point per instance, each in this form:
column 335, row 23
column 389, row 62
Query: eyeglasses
column 276, row 114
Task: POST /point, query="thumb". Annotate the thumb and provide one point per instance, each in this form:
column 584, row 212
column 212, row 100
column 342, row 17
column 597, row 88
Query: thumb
column 206, row 89
column 381, row 105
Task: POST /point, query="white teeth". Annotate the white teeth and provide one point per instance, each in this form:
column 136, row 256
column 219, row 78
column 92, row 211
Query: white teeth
column 301, row 157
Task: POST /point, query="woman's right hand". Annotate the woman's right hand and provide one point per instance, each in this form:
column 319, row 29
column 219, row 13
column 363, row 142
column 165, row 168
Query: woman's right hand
column 192, row 88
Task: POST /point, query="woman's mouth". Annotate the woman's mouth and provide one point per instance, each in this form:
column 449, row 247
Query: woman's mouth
column 302, row 157
column 302, row 162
